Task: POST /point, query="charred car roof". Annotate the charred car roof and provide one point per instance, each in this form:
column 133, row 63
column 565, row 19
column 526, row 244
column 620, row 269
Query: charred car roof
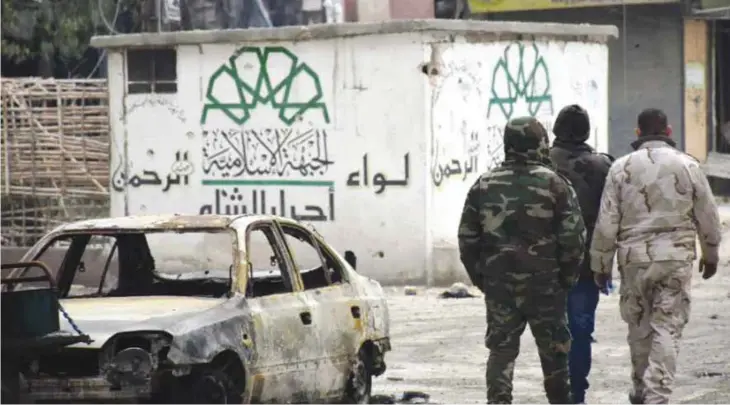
column 163, row 222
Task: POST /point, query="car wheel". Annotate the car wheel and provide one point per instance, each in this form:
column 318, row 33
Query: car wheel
column 360, row 383
column 215, row 387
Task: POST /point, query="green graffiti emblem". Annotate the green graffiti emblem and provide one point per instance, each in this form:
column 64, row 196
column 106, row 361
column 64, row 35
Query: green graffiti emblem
column 279, row 71
column 521, row 73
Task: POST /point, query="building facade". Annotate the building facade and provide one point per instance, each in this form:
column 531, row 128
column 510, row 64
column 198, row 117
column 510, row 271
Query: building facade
column 673, row 55
column 372, row 132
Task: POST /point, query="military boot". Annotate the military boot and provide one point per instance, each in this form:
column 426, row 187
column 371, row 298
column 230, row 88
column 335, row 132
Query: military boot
column 636, row 399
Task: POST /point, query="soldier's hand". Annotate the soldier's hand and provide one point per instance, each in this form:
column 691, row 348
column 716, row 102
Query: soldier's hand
column 602, row 280
column 707, row 269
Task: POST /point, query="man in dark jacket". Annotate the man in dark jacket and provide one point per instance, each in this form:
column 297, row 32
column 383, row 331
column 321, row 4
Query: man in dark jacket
column 522, row 240
column 587, row 171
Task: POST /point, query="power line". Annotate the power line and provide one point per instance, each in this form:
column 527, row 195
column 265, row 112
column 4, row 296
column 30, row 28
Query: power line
column 111, row 29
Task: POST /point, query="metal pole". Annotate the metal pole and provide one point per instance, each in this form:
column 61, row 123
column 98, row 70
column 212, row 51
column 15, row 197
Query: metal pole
column 159, row 15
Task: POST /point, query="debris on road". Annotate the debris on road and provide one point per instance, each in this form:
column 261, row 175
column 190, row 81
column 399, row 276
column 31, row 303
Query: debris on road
column 409, row 290
column 409, row 397
column 709, row 374
column 382, row 399
column 457, row 290
column 414, row 397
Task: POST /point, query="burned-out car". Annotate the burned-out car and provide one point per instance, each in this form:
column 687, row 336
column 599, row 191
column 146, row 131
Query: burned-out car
column 207, row 309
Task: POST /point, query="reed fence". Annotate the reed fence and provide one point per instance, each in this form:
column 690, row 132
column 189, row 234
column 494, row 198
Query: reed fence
column 55, row 155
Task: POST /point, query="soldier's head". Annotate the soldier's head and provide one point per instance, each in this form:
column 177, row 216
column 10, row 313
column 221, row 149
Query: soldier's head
column 525, row 139
column 572, row 124
column 653, row 121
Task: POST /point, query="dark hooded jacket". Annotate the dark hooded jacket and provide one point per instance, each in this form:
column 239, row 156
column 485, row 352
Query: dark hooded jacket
column 521, row 221
column 579, row 162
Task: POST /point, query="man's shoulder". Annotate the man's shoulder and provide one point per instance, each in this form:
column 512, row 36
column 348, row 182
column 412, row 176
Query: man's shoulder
column 688, row 158
column 601, row 158
column 592, row 162
column 508, row 176
column 670, row 155
column 589, row 156
column 554, row 179
column 621, row 161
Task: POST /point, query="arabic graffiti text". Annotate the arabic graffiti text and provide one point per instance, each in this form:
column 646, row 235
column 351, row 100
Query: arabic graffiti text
column 179, row 174
column 379, row 180
column 274, row 151
column 152, row 101
column 266, row 200
column 446, row 167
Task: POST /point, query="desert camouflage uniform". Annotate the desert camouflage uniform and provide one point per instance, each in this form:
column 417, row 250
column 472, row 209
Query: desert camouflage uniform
column 654, row 202
column 521, row 239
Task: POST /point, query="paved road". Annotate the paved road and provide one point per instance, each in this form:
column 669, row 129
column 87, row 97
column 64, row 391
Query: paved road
column 438, row 348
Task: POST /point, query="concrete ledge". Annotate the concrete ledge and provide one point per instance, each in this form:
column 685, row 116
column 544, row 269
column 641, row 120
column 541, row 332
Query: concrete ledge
column 586, row 32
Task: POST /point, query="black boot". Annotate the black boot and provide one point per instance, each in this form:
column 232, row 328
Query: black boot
column 635, row 399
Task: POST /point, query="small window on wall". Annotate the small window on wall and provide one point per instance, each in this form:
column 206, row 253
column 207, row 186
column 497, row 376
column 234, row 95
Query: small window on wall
column 152, row 70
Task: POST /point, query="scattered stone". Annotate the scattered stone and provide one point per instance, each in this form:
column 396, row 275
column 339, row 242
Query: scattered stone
column 382, row 399
column 409, row 397
column 714, row 316
column 415, row 397
column 409, row 290
column 457, row 290
column 707, row 374
column 392, row 378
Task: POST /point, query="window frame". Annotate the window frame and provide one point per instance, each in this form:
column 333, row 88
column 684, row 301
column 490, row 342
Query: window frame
column 322, row 251
column 67, row 271
column 44, row 246
column 282, row 257
column 152, row 84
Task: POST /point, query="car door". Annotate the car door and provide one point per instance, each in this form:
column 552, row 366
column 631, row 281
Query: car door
column 286, row 341
column 335, row 301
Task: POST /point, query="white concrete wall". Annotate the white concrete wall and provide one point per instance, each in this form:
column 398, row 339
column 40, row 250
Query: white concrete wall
column 367, row 156
column 480, row 86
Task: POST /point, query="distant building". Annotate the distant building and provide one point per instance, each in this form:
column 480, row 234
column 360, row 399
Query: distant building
column 671, row 54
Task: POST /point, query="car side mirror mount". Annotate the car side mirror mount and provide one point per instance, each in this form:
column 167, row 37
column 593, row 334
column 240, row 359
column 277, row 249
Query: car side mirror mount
column 351, row 259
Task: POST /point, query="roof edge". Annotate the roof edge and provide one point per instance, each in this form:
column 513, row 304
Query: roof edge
column 597, row 33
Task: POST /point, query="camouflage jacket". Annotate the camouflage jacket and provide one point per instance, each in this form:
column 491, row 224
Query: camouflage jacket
column 521, row 221
column 587, row 171
column 654, row 202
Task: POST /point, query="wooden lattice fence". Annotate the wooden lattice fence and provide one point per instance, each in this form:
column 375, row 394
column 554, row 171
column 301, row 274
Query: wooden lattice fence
column 55, row 155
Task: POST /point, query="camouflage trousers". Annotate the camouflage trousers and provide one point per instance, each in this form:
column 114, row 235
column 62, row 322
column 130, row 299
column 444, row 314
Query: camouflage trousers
column 509, row 310
column 655, row 303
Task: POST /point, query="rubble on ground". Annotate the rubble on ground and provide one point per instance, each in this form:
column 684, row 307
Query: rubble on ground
column 457, row 290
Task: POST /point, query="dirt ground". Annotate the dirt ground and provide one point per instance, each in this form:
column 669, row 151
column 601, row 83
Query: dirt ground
column 438, row 348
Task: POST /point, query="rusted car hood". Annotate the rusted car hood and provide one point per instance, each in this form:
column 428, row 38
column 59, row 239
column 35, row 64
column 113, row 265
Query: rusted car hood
column 102, row 318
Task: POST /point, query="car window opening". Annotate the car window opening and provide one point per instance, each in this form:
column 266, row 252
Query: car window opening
column 129, row 264
column 268, row 273
column 317, row 266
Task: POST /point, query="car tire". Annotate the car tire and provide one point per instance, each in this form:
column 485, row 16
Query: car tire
column 215, row 387
column 360, row 384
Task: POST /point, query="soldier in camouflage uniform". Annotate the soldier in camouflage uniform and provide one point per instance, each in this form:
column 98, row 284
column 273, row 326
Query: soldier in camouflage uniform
column 655, row 201
column 587, row 172
column 521, row 239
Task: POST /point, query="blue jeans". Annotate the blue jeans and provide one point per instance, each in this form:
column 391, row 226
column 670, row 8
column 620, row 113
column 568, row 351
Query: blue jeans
column 582, row 303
